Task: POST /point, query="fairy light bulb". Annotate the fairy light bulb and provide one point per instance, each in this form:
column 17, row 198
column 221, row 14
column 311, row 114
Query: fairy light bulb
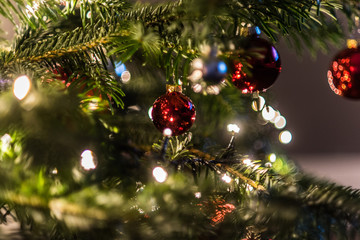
column 159, row 174
column 21, row 87
column 87, row 160
column 226, row 178
column 285, row 137
column 233, row 128
column 268, row 113
column 272, row 157
column 167, row 132
column 258, row 104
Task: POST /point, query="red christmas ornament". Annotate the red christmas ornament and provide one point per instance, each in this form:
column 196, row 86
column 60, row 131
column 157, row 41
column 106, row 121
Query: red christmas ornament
column 175, row 111
column 344, row 73
column 266, row 66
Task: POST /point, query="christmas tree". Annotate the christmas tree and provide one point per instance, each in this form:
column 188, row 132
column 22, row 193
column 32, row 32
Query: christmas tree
column 124, row 120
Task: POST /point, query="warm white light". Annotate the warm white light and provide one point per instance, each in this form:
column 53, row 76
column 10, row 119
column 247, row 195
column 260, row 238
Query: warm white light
column 167, row 132
column 21, row 87
column 272, row 157
column 226, row 178
column 5, row 142
column 276, row 115
column 198, row 63
column 54, row 171
column 280, row 122
column 198, row 194
column 87, row 160
column 197, row 88
column 258, row 104
column 125, row 76
column 268, row 113
column 160, row 174
column 233, row 128
column 214, row 90
column 196, row 75
column 248, row 162
column 150, row 112
column 285, row 137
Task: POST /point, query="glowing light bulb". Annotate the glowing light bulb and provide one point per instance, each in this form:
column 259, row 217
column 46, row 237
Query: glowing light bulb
column 226, row 178
column 268, row 113
column 5, row 142
column 197, row 88
column 198, row 63
column 233, row 128
column 198, row 194
column 258, row 105
column 125, row 77
column 285, row 137
column 87, row 160
column 21, row 87
column 167, row 132
column 160, row 174
column 276, row 115
column 280, row 122
column 272, row 157
column 248, row 162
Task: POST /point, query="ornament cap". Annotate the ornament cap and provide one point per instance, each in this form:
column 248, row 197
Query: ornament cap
column 173, row 88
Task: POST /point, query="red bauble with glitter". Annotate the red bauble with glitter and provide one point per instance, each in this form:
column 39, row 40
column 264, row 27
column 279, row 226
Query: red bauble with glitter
column 175, row 111
column 344, row 73
column 265, row 67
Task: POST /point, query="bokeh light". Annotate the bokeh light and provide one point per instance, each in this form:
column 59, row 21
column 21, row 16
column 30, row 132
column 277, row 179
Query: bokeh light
column 285, row 137
column 268, row 113
column 160, row 174
column 233, row 128
column 21, row 87
column 280, row 122
column 88, row 161
column 226, row 178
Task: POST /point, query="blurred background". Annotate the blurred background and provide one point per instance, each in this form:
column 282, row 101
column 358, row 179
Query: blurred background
column 325, row 126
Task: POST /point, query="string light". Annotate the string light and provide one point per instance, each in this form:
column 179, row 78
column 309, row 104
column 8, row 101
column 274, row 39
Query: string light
column 167, row 132
column 226, row 178
column 268, row 113
column 258, row 104
column 280, row 122
column 272, row 157
column 248, row 162
column 160, row 174
column 5, row 142
column 88, row 161
column 21, row 87
column 285, row 137
column 233, row 128
column 125, row 77
column 198, row 194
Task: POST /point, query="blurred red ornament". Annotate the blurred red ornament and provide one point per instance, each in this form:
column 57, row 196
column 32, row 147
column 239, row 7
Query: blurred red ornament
column 344, row 73
column 265, row 67
column 174, row 111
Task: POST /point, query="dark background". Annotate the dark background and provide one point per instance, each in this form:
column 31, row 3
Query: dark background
column 325, row 126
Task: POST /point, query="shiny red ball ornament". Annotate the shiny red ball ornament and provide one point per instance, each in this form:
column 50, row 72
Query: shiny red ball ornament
column 175, row 111
column 344, row 73
column 265, row 67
